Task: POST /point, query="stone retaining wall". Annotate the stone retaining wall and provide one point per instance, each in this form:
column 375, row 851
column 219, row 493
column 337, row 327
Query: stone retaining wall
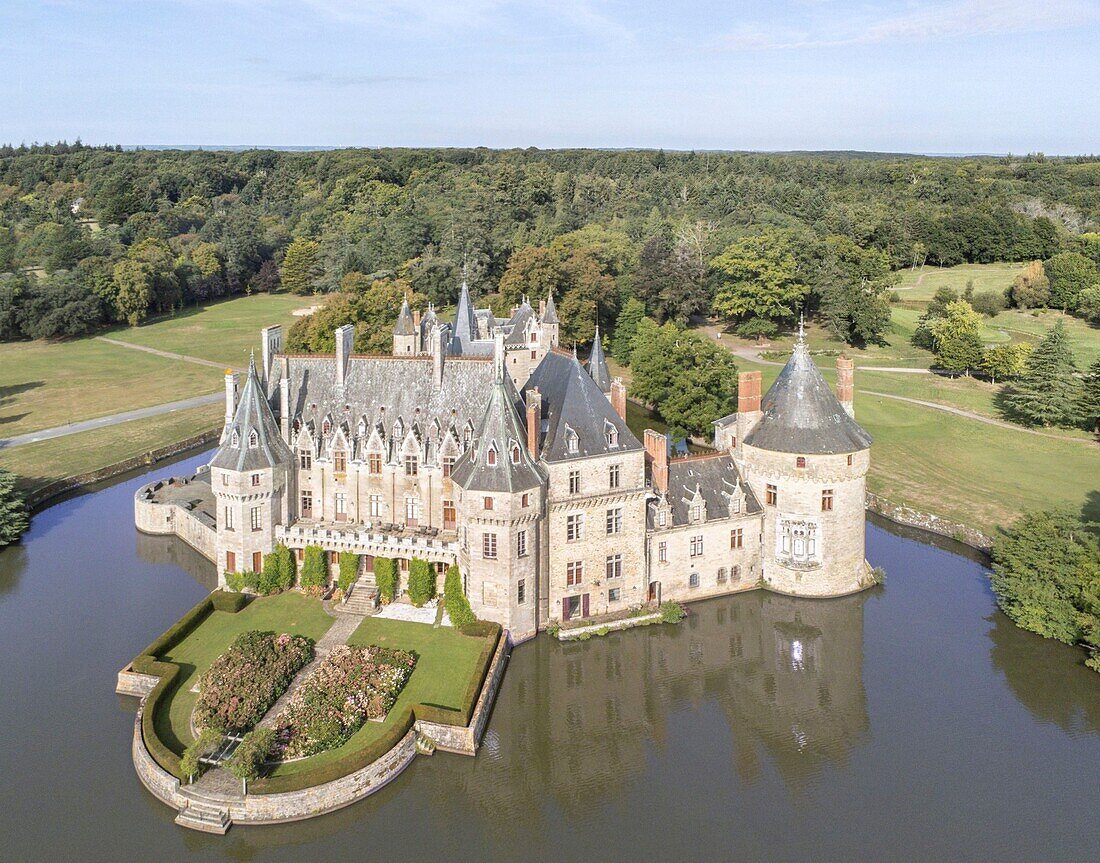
column 134, row 683
column 613, row 625
column 932, row 523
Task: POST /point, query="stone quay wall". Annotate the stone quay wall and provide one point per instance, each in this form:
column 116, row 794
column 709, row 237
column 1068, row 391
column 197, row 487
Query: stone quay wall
column 910, row 517
column 157, row 518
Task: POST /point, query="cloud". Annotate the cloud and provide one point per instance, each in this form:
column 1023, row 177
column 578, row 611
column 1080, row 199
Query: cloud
column 959, row 18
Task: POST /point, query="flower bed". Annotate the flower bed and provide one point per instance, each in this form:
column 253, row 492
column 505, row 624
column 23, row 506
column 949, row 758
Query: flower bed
column 352, row 685
column 242, row 684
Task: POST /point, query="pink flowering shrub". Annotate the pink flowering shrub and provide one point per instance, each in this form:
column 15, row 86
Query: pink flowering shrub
column 241, row 685
column 352, row 685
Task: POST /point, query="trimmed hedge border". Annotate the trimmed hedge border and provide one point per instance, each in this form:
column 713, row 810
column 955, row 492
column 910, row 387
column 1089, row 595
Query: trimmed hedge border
column 374, row 750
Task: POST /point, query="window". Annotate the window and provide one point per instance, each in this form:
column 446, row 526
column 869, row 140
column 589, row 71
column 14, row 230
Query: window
column 448, row 464
column 341, row 506
column 253, row 439
column 412, row 511
column 800, row 461
column 230, row 562
column 735, row 504
column 737, row 538
column 612, row 435
column 797, row 541
column 448, row 515
column 735, row 572
column 307, row 504
column 574, row 526
column 488, row 501
column 849, row 461
column 696, row 545
column 771, row 495
column 521, row 592
column 305, row 459
column 521, row 544
column 693, row 580
column 615, row 520
column 721, row 575
column 340, row 461
column 696, row 513
column 489, row 546
column 411, row 467
column 235, row 439
column 326, row 427
column 574, row 482
column 662, row 517
column 374, row 463
column 827, row 500
column 613, row 594
column 374, row 504
column 255, row 479
column 256, row 517
column 492, row 456
column 225, row 479
column 515, row 454
column 614, row 566
column 228, row 518
column 525, row 500
column 662, row 552
column 574, row 572
column 613, row 475
column 572, row 443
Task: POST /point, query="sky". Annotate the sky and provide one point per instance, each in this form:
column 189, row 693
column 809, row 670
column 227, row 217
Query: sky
column 951, row 76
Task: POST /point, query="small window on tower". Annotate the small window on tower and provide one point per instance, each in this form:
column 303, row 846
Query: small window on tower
column 515, row 454
column 801, row 461
column 492, row 456
column 253, row 439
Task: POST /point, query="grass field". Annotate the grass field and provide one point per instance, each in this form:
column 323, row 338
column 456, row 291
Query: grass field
column 919, row 285
column 286, row 612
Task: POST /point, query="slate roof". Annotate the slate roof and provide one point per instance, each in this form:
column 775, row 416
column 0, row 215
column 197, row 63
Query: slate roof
column 517, row 325
column 550, row 314
column 716, row 477
column 405, row 325
column 803, row 415
column 597, row 364
column 572, row 403
column 253, row 415
column 464, row 338
column 501, row 431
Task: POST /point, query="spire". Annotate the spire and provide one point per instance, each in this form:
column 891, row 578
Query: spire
column 465, row 330
column 800, row 343
column 597, row 364
column 550, row 316
column 251, row 440
column 405, row 325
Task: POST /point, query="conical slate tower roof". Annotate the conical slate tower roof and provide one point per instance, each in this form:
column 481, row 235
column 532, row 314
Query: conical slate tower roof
column 465, row 330
column 252, row 440
column 802, row 415
column 550, row 313
column 597, row 364
column 405, row 325
column 501, row 433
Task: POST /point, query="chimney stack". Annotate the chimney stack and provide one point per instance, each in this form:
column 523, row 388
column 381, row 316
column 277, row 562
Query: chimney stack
column 542, row 309
column 618, row 397
column 345, row 344
column 230, row 395
column 272, row 338
column 534, row 421
column 656, row 450
column 438, row 348
column 284, row 400
column 416, row 320
column 748, row 392
column 845, row 384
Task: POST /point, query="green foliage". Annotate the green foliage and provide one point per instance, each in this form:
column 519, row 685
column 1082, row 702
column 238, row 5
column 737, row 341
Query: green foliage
column 626, row 328
column 204, row 745
column 1088, row 401
column 251, row 754
column 1069, row 273
column 1005, row 362
column 421, row 581
column 454, row 599
column 385, row 576
column 957, row 339
column 670, row 279
column 988, row 303
column 349, row 571
column 854, row 285
column 1046, row 575
column 301, row 269
column 758, row 276
column 672, row 612
column 314, row 573
column 278, row 572
column 13, row 510
column 1088, row 304
column 757, row 328
column 1046, row 393
column 1031, row 288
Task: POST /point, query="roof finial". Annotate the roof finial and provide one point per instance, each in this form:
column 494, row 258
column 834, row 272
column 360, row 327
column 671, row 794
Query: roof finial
column 252, row 361
column 465, row 268
column 801, row 330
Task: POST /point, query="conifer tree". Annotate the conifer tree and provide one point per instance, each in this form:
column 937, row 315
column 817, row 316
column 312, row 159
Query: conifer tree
column 1046, row 393
column 13, row 511
column 421, row 581
column 1088, row 403
column 455, row 601
column 626, row 328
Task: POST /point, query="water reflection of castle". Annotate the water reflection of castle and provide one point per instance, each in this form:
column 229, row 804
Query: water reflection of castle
column 577, row 721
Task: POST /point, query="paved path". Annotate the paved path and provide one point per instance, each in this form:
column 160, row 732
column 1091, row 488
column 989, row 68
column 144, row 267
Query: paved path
column 948, row 409
column 166, row 354
column 110, row 420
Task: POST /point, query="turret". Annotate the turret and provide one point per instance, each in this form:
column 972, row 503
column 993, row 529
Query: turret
column 406, row 334
column 597, row 364
column 548, row 317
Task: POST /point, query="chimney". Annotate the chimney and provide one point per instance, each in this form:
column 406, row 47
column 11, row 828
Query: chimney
column 345, row 344
column 416, row 319
column 534, row 421
column 656, row 450
column 284, row 400
column 230, row 395
column 845, row 383
column 498, row 352
column 542, row 308
column 618, row 397
column 272, row 344
column 748, row 392
column 438, row 347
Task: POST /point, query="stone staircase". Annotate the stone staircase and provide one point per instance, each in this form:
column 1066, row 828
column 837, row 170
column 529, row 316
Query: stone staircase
column 208, row 800
column 205, row 817
column 364, row 596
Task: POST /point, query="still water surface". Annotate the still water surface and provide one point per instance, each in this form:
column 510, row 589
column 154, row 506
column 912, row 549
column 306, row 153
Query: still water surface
column 910, row 722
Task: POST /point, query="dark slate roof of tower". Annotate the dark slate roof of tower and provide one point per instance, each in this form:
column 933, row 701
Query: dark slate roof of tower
column 465, row 325
column 573, row 404
column 428, row 322
column 597, row 364
column 802, row 414
column 405, row 325
column 517, row 324
column 716, row 477
column 550, row 314
column 253, row 414
column 501, row 431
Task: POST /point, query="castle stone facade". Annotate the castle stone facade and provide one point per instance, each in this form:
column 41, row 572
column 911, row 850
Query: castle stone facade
column 483, row 444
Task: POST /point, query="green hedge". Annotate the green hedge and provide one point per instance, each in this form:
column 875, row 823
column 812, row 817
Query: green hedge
column 461, row 715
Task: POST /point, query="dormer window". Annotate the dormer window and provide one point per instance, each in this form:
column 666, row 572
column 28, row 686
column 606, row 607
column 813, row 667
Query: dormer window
column 491, row 456
column 572, row 442
column 612, row 434
column 696, row 513
column 515, row 454
column 253, row 439
column 235, row 439
column 800, row 461
column 326, row 426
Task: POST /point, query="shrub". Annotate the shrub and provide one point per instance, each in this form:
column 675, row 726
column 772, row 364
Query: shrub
column 349, row 571
column 207, row 742
column 241, row 685
column 421, row 581
column 251, row 754
column 988, row 303
column 878, row 575
column 454, row 599
column 757, row 328
column 672, row 612
column 234, row 581
column 13, row 510
column 314, row 568
column 385, row 575
column 278, row 573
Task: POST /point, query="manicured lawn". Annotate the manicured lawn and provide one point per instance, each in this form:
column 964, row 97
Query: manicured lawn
column 445, row 661
column 38, row 464
column 286, row 612
column 919, row 285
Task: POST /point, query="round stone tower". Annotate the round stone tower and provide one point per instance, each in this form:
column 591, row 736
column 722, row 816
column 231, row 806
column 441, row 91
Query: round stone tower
column 806, row 458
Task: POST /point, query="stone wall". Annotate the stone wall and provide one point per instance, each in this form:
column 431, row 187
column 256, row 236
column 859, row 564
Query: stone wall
column 169, row 519
column 715, row 566
column 134, row 683
column 932, row 523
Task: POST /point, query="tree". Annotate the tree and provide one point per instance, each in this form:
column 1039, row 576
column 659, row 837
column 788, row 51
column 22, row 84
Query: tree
column 957, row 341
column 853, row 285
column 626, row 328
column 205, row 744
column 13, row 510
column 758, row 276
column 757, row 328
column 1069, row 273
column 1088, row 402
column 385, row 576
column 278, row 571
column 1088, row 304
column 988, row 303
column 301, row 268
column 314, row 574
column 1031, row 288
column 454, row 599
column 669, row 279
column 251, row 754
column 266, row 280
column 1002, row 362
column 1047, row 391
column 533, row 272
column 133, row 290
column 421, row 581
column 349, row 571
column 936, row 308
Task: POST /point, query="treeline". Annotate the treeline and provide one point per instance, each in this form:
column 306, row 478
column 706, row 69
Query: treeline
column 90, row 236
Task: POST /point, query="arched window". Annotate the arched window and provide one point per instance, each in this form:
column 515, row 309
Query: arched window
column 253, row 439
column 326, row 426
column 235, row 439
column 572, row 442
column 515, row 454
column 492, row 456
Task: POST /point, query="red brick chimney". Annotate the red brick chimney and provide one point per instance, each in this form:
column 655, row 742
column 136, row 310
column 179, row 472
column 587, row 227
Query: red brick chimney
column 748, row 392
column 656, row 450
column 618, row 397
column 845, row 383
column 534, row 421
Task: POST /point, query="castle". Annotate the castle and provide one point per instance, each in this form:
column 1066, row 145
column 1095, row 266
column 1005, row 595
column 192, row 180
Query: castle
column 486, row 445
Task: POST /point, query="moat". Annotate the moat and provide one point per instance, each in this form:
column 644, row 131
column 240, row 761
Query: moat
column 911, row 721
